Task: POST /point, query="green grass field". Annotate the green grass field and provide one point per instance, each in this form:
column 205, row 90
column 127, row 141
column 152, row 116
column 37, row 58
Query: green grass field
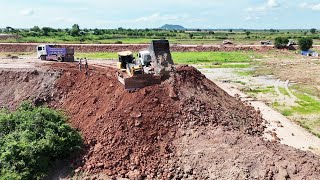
column 138, row 36
column 208, row 59
column 307, row 107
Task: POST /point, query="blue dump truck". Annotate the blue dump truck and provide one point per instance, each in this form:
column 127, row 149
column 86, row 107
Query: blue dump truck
column 51, row 52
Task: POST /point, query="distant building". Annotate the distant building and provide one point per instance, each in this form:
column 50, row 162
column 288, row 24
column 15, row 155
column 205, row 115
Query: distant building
column 310, row 53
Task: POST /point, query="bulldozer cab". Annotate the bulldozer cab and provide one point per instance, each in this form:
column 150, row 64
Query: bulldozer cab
column 125, row 57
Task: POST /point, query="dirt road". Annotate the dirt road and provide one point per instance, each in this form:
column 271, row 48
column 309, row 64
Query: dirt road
column 278, row 126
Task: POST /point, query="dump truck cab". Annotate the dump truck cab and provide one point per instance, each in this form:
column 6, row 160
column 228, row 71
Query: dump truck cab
column 144, row 58
column 41, row 51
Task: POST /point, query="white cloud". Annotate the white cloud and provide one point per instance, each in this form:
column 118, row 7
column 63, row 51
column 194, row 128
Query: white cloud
column 270, row 4
column 315, row 7
column 64, row 19
column 251, row 18
column 159, row 17
column 27, row 12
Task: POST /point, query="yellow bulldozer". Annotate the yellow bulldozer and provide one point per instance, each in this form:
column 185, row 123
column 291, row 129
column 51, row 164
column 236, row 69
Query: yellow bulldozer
column 148, row 69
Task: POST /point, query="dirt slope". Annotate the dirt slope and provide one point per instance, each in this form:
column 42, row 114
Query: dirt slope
column 186, row 127
column 213, row 153
column 135, row 134
column 17, row 85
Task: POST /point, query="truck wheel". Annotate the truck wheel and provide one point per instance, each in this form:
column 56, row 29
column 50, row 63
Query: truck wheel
column 59, row 59
column 42, row 57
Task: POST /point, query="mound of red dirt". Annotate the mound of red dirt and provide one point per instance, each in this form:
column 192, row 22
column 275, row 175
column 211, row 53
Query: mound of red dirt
column 17, row 85
column 187, row 127
column 134, row 130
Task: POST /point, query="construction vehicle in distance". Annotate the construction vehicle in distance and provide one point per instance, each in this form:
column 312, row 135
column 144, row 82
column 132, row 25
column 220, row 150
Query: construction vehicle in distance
column 267, row 42
column 51, row 52
column 148, row 69
column 227, row 42
column 291, row 43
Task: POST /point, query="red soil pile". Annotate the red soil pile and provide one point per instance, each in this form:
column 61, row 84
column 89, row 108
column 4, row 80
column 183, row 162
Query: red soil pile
column 187, row 127
column 17, row 85
column 129, row 131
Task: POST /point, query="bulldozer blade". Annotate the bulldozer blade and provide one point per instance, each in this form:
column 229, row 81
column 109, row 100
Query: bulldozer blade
column 139, row 81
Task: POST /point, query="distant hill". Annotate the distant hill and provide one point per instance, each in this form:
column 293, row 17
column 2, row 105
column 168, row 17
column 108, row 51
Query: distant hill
column 172, row 27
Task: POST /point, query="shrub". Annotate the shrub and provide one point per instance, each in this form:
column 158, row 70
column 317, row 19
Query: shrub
column 313, row 30
column 31, row 138
column 281, row 42
column 305, row 43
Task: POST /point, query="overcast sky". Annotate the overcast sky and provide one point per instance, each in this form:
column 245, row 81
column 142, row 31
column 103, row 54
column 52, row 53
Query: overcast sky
column 247, row 14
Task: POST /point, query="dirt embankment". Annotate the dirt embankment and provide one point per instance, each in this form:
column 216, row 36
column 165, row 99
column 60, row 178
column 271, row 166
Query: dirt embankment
column 187, row 127
column 157, row 132
column 17, row 85
column 8, row 36
column 87, row 48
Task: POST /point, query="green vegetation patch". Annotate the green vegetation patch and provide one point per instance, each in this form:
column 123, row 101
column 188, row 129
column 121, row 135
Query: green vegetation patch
column 225, row 65
column 311, row 126
column 220, row 59
column 264, row 90
column 97, row 55
column 306, row 112
column 284, row 91
column 210, row 57
column 307, row 104
column 31, row 139
column 245, row 72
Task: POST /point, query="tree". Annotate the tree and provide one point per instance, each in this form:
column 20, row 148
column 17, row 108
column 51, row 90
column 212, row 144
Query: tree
column 305, row 43
column 46, row 31
column 281, row 42
column 313, row 30
column 31, row 138
column 97, row 31
column 191, row 35
column 230, row 30
column 35, row 29
column 248, row 33
column 82, row 33
column 273, row 30
column 9, row 29
column 75, row 30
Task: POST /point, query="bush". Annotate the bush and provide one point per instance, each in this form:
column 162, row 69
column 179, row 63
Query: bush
column 281, row 42
column 305, row 43
column 31, row 138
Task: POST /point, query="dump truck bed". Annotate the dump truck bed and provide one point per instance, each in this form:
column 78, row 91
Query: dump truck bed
column 161, row 48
